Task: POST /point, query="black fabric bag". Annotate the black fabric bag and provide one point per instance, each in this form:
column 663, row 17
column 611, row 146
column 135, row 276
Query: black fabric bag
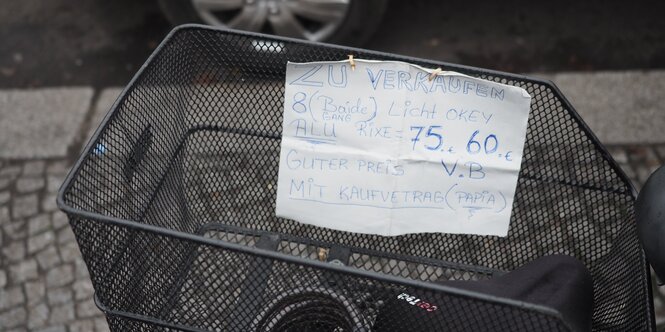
column 558, row 282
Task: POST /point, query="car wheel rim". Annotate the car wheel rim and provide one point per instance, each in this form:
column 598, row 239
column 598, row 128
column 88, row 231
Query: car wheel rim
column 314, row 20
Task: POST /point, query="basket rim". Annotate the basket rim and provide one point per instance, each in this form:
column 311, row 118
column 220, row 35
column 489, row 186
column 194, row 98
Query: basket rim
column 70, row 210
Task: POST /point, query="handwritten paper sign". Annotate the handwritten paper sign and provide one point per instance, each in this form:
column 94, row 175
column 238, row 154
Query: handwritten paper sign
column 390, row 149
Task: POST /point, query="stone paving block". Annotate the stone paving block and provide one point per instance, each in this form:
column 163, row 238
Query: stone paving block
column 12, row 318
column 60, row 276
column 48, row 258
column 5, row 182
column 69, row 252
column 39, row 224
column 83, row 289
column 62, row 314
column 101, row 325
column 35, row 292
column 80, row 268
column 15, row 230
column 41, row 123
column 4, row 197
column 11, row 297
column 59, row 295
column 38, row 316
column 10, row 172
column 40, row 241
column 86, row 325
column 4, row 216
column 49, row 203
column 60, row 328
column 60, row 167
column 25, row 206
column 65, row 235
column 33, row 168
column 59, row 220
column 87, row 308
column 23, row 271
column 29, row 184
column 3, row 279
column 15, row 251
column 54, row 182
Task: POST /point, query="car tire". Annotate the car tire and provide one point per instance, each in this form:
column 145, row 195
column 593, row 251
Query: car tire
column 362, row 19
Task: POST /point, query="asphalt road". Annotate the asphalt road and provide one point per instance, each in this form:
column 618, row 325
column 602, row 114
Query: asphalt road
column 102, row 43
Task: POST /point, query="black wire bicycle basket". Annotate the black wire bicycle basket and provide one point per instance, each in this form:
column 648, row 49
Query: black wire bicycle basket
column 173, row 207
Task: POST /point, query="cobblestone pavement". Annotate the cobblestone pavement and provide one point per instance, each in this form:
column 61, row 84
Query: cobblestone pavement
column 44, row 284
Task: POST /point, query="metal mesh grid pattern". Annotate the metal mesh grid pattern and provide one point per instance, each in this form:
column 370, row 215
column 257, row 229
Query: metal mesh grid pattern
column 173, row 202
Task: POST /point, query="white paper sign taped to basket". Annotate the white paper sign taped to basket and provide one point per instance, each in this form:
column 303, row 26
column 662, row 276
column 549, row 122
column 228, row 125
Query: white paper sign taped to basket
column 392, row 148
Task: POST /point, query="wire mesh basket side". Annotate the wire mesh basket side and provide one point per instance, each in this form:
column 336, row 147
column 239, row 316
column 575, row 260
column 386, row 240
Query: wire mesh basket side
column 194, row 141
